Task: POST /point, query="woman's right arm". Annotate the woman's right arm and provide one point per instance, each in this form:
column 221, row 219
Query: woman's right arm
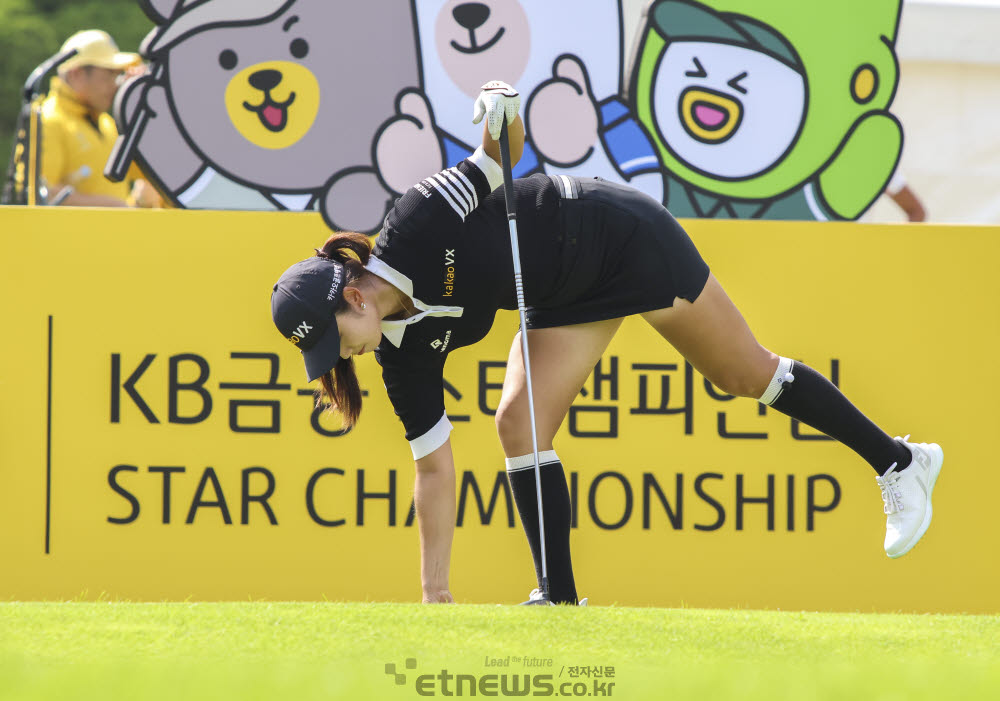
column 415, row 386
column 434, row 499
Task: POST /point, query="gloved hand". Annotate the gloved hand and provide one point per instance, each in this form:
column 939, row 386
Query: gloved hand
column 496, row 100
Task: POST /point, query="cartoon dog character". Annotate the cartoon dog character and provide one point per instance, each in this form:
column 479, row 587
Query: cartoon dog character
column 271, row 104
column 565, row 61
column 770, row 108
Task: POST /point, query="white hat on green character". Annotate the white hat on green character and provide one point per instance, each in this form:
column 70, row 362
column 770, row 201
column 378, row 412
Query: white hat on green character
column 754, row 100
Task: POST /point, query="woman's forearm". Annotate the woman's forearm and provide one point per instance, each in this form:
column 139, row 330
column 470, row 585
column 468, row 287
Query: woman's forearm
column 515, row 136
column 434, row 499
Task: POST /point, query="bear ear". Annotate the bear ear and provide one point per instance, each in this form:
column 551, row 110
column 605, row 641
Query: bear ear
column 148, row 41
column 160, row 11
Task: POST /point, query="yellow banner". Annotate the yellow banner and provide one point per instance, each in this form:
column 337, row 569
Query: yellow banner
column 158, row 441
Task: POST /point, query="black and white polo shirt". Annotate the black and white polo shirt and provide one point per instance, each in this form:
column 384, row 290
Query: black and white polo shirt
column 446, row 244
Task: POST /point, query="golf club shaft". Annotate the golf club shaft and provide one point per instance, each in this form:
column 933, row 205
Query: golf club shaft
column 508, row 191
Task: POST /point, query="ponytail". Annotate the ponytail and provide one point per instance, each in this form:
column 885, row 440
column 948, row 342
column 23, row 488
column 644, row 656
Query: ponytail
column 342, row 244
column 339, row 389
column 340, row 392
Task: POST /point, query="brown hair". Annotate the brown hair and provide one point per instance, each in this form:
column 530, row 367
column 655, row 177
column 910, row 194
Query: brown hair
column 340, row 390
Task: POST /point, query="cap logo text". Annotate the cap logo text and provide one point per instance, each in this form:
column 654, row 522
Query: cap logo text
column 334, row 286
column 300, row 333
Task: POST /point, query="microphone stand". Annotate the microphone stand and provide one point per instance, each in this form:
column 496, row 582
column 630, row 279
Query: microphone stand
column 23, row 184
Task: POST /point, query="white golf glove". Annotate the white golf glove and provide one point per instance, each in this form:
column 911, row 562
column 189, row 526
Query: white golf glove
column 496, row 100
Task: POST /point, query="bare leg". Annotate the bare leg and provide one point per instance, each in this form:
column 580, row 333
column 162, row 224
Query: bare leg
column 561, row 360
column 713, row 336
column 715, row 339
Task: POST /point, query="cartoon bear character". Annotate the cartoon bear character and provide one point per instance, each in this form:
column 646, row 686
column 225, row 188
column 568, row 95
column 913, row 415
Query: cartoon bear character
column 271, row 104
column 771, row 108
column 565, row 62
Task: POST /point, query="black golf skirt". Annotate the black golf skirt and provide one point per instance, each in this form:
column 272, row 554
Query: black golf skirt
column 620, row 253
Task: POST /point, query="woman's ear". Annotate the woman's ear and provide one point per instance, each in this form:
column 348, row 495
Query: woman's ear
column 354, row 298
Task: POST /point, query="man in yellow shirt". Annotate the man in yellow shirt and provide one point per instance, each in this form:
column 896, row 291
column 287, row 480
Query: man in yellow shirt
column 77, row 131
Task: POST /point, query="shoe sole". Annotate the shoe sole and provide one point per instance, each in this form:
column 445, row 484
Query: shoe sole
column 935, row 470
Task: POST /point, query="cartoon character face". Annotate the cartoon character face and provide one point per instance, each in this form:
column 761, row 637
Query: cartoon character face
column 249, row 96
column 827, row 68
column 272, row 103
column 465, row 44
column 474, row 40
column 726, row 111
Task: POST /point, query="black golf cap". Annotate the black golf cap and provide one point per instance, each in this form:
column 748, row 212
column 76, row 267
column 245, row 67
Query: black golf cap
column 303, row 304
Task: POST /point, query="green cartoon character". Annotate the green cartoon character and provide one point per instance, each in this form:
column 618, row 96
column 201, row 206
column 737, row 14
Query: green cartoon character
column 770, row 108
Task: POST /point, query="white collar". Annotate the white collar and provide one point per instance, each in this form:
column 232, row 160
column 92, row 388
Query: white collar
column 393, row 329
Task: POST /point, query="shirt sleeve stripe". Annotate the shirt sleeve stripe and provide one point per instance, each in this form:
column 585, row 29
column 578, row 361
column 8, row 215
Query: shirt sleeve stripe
column 457, row 175
column 431, row 183
column 461, row 198
column 432, row 440
column 469, row 184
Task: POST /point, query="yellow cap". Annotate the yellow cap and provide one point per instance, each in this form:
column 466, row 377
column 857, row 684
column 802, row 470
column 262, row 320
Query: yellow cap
column 96, row 48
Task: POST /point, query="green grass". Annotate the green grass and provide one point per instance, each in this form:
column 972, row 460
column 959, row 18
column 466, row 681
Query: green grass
column 305, row 651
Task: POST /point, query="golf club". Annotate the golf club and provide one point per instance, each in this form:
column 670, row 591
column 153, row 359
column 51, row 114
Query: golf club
column 508, row 192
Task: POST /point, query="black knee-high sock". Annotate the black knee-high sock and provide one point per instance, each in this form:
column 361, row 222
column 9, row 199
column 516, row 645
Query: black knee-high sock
column 815, row 401
column 556, row 512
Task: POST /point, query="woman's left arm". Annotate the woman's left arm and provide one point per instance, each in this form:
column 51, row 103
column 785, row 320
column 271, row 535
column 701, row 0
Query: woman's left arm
column 515, row 136
column 498, row 101
column 458, row 190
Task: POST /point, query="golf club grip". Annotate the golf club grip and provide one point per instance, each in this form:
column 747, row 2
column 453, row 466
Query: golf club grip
column 511, row 202
column 508, row 178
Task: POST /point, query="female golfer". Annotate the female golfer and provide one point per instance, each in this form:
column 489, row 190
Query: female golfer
column 592, row 253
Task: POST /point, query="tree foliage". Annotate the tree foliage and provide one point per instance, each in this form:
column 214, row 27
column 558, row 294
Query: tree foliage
column 33, row 30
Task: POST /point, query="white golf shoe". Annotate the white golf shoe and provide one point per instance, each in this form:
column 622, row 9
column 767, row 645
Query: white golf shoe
column 907, row 497
column 535, row 598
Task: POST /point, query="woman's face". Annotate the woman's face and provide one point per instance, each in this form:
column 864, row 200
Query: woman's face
column 359, row 324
